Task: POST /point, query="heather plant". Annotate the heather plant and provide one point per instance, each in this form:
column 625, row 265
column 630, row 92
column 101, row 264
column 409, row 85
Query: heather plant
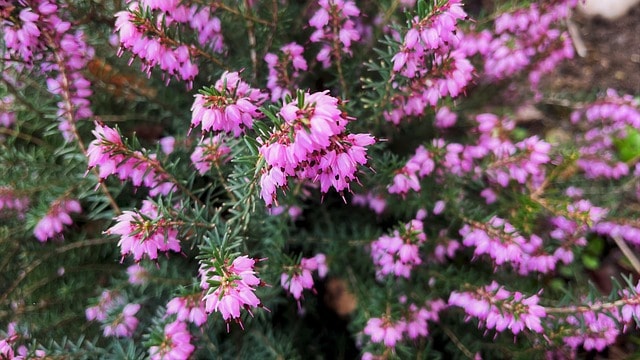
column 195, row 179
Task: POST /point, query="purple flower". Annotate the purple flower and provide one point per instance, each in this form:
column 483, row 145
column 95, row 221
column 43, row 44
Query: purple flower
column 145, row 233
column 230, row 287
column 230, row 106
column 176, row 343
column 55, row 219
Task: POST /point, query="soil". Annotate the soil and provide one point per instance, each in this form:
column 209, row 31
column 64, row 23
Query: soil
column 612, row 58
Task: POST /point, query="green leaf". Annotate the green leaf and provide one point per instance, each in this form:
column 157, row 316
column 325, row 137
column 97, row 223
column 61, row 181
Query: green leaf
column 590, row 262
column 629, row 146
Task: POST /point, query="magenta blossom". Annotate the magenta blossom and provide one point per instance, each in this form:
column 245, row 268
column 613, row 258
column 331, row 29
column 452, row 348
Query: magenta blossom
column 188, row 308
column 299, row 277
column 231, row 288
column 125, row 323
column 145, row 233
column 55, row 219
column 175, row 345
column 230, row 106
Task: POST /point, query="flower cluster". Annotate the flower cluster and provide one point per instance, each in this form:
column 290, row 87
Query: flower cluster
column 230, row 106
column 124, row 323
column 284, row 70
column 431, row 63
column 311, row 143
column 12, row 202
column 57, row 216
column 145, row 233
column 113, row 157
column 108, row 301
column 502, row 242
column 408, row 178
column 138, row 275
column 210, row 150
column 496, row 308
column 230, row 287
column 597, row 325
column 7, row 114
column 527, row 38
column 175, row 343
column 334, row 28
column 299, row 277
column 522, row 162
column 117, row 316
column 10, row 347
column 603, row 152
column 28, row 36
column 400, row 253
column 375, row 202
column 188, row 308
column 413, row 323
column 147, row 38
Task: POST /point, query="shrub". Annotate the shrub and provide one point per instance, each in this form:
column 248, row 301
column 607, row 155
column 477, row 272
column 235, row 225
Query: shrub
column 290, row 179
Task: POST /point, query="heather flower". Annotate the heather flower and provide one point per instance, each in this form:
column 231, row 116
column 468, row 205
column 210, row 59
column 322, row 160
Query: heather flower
column 176, row 343
column 505, row 245
column 145, row 233
column 523, row 39
column 209, row 151
column 230, row 106
column 112, row 157
column 496, row 308
column 334, row 28
column 62, row 53
column 408, row 178
column 284, row 70
column 107, row 302
column 400, row 253
column 445, row 118
column 417, row 317
column 57, row 216
column 124, row 323
column 384, row 330
column 592, row 330
column 167, row 144
column 7, row 115
column 11, row 202
column 299, row 277
column 145, row 37
column 311, row 143
column 375, row 202
column 230, row 288
column 188, row 308
column 138, row 275
column 607, row 120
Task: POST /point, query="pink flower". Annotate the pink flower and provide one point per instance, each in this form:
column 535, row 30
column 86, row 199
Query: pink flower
column 175, row 345
column 55, row 219
column 399, row 254
column 299, row 277
column 230, row 288
column 230, row 106
column 124, row 324
column 383, row 330
column 188, row 308
column 108, row 301
column 499, row 309
column 334, row 17
column 109, row 153
column 145, row 233
column 209, row 151
column 284, row 70
column 12, row 202
column 311, row 144
column 138, row 275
